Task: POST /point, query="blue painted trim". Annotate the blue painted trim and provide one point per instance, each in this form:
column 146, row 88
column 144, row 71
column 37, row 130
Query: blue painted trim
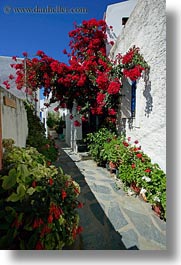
column 133, row 99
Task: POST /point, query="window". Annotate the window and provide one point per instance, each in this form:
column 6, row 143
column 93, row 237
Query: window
column 128, row 99
column 133, row 99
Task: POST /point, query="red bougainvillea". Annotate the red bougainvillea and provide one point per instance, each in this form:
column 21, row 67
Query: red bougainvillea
column 90, row 78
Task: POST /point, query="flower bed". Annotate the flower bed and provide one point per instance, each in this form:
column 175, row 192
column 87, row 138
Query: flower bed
column 134, row 167
column 37, row 203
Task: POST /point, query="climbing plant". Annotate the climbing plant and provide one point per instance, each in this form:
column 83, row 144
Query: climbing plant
column 91, row 78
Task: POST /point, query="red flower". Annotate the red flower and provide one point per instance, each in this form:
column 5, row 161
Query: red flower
column 14, row 58
column 50, row 218
column 64, row 194
column 112, row 112
column 114, row 88
column 139, row 155
column 100, row 98
column 40, row 53
column 125, row 144
column 129, row 139
column 84, row 119
column 79, row 229
column 51, row 181
column 25, row 54
column 133, row 165
column 136, row 142
column 45, row 230
column 56, row 109
column 148, row 170
column 111, row 42
column 71, row 117
column 6, row 83
column 80, row 205
column 49, row 163
column 37, row 222
column 77, row 123
column 11, row 76
column 39, row 246
column 33, row 184
column 17, row 223
column 55, row 210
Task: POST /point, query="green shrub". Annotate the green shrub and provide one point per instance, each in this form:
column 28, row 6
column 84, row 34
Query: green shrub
column 37, row 203
column 134, row 166
column 36, row 135
column 95, row 142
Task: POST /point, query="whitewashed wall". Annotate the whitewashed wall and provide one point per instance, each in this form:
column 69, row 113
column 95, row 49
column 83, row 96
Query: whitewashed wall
column 146, row 28
column 113, row 18
column 14, row 120
column 73, row 133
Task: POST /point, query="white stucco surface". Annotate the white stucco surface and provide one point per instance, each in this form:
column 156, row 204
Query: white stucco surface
column 14, row 120
column 146, row 28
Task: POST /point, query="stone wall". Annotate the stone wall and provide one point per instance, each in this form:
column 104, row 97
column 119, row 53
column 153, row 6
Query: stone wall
column 14, row 118
column 146, row 28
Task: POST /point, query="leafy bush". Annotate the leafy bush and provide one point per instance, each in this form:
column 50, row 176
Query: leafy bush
column 134, row 166
column 37, row 203
column 95, row 142
column 54, row 121
column 36, row 135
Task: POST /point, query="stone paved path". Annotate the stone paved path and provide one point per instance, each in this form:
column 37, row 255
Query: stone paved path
column 111, row 219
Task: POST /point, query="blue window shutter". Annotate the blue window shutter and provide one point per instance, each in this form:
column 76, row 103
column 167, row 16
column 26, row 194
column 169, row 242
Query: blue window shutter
column 133, row 99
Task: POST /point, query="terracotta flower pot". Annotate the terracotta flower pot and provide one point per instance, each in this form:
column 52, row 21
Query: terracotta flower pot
column 134, row 187
column 112, row 167
column 157, row 209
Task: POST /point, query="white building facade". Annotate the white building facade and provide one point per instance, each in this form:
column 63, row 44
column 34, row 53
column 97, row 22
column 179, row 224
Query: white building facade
column 146, row 29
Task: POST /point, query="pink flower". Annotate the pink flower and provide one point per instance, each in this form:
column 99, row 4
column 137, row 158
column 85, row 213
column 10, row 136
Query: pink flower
column 136, row 142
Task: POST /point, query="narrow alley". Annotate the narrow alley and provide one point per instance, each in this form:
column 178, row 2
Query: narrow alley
column 111, row 219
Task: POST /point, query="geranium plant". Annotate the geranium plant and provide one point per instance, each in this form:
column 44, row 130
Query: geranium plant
column 136, row 169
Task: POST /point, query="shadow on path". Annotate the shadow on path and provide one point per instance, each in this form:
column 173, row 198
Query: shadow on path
column 98, row 233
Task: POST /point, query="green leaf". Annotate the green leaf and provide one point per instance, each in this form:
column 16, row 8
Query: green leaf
column 19, row 195
column 31, row 190
column 14, row 197
column 21, row 190
column 10, row 180
column 23, row 171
